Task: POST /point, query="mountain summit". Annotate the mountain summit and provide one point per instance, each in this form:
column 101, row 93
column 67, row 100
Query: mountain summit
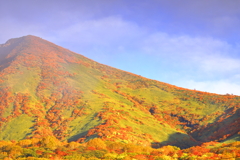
column 47, row 90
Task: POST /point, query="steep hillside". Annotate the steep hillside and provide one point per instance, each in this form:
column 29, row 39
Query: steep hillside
column 46, row 90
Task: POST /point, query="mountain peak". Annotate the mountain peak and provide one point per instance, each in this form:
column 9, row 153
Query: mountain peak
column 30, row 38
column 29, row 49
column 13, row 41
column 30, row 44
column 27, row 40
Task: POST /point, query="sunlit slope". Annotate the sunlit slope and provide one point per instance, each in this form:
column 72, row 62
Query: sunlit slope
column 48, row 90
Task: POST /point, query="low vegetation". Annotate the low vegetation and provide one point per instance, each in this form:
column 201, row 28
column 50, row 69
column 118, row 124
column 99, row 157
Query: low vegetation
column 50, row 148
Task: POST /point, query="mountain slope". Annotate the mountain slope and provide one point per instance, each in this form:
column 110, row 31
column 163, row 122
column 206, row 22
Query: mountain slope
column 48, row 90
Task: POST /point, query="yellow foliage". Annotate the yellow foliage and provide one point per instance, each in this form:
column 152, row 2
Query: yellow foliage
column 13, row 150
column 7, row 158
column 50, row 142
column 25, row 142
column 133, row 148
column 73, row 145
column 96, row 143
column 32, row 158
column 116, row 146
column 166, row 150
column 4, row 143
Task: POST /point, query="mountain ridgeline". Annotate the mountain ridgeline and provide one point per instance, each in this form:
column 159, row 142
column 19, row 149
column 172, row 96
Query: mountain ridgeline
column 47, row 90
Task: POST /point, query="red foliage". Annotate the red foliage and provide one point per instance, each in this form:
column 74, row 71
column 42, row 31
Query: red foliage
column 91, row 148
column 61, row 153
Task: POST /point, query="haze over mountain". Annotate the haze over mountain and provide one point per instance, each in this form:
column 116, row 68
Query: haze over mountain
column 49, row 90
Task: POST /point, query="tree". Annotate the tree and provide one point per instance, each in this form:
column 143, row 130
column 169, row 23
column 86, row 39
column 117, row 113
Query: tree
column 50, row 142
column 96, row 143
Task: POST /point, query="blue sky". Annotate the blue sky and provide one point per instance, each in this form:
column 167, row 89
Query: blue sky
column 193, row 44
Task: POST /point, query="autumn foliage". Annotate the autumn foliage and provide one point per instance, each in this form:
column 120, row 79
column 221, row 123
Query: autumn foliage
column 50, row 96
column 51, row 148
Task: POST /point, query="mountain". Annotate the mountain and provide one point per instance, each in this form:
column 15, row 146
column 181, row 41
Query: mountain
column 47, row 90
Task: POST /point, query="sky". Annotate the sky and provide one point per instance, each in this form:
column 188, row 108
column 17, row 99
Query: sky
column 193, row 44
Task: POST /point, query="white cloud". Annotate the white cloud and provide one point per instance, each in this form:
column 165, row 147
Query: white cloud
column 220, row 64
column 219, row 87
column 206, row 54
column 183, row 45
column 108, row 31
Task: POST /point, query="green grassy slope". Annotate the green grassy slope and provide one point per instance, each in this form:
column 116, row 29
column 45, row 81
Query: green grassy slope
column 48, row 90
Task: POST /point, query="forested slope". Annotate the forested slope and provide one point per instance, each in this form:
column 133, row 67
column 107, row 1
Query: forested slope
column 46, row 90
